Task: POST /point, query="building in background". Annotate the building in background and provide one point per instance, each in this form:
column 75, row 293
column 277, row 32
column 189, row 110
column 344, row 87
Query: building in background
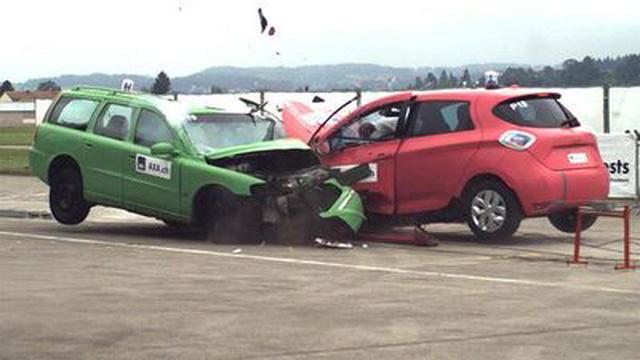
column 24, row 107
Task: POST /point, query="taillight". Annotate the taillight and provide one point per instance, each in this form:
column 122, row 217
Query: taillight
column 517, row 140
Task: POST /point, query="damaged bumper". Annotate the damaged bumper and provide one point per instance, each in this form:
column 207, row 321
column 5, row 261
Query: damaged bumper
column 330, row 205
column 348, row 207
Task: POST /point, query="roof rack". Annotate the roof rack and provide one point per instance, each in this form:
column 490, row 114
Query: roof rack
column 101, row 88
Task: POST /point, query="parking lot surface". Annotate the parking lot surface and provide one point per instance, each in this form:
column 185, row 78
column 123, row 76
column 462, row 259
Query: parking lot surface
column 137, row 289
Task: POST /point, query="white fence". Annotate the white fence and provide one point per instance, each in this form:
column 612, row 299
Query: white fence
column 585, row 103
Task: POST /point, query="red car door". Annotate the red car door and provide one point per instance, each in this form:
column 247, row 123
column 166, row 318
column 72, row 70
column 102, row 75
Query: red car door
column 440, row 142
column 370, row 136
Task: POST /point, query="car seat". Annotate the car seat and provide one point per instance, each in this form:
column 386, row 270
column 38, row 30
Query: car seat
column 117, row 127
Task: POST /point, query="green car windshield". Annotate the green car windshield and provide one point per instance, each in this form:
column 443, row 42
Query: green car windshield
column 213, row 131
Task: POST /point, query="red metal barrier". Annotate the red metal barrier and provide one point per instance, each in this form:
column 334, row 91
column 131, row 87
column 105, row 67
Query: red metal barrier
column 625, row 215
column 626, row 261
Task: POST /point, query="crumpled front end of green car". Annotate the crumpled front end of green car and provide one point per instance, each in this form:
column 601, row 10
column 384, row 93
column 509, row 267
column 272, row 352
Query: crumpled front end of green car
column 348, row 207
column 295, row 186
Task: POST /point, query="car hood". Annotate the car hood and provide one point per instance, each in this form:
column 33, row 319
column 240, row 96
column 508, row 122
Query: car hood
column 258, row 147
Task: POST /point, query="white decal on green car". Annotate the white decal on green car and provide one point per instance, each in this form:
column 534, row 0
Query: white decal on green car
column 153, row 166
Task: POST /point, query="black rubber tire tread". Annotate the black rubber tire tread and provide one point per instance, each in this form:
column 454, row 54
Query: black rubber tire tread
column 566, row 221
column 66, row 201
column 232, row 219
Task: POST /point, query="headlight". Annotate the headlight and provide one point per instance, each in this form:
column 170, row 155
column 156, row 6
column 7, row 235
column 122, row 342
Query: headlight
column 243, row 167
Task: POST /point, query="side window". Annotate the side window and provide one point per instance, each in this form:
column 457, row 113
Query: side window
column 377, row 125
column 440, row 117
column 114, row 122
column 151, row 129
column 73, row 113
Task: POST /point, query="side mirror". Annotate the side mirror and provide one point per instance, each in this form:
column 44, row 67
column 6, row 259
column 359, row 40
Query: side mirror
column 163, row 149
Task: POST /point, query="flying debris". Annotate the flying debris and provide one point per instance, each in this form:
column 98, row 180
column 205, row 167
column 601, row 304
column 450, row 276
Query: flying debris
column 264, row 24
column 263, row 21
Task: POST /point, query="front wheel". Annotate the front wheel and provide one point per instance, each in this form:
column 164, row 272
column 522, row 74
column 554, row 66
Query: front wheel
column 492, row 210
column 566, row 221
column 65, row 197
column 232, row 219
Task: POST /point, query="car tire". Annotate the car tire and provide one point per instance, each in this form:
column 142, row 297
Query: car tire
column 232, row 219
column 66, row 201
column 492, row 210
column 566, row 221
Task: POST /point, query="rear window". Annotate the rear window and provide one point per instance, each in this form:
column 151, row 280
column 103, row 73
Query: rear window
column 533, row 112
column 73, row 113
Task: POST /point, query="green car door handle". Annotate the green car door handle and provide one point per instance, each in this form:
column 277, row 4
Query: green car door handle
column 88, row 145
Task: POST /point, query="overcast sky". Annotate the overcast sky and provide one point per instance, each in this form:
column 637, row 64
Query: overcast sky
column 48, row 38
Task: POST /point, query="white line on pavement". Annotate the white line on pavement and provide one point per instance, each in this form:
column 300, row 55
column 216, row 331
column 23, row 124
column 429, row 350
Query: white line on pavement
column 524, row 282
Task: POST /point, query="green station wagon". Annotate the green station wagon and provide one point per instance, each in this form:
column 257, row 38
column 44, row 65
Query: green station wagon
column 226, row 173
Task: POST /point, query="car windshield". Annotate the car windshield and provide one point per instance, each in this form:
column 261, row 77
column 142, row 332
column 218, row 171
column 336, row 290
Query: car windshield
column 209, row 132
column 533, row 112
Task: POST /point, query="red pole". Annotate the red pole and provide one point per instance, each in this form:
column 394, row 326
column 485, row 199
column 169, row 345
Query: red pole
column 627, row 241
column 576, row 239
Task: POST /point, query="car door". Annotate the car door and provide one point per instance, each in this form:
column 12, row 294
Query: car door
column 440, row 142
column 374, row 138
column 151, row 184
column 105, row 153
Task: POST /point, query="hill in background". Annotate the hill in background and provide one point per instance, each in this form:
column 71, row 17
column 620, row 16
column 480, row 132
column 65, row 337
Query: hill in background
column 313, row 77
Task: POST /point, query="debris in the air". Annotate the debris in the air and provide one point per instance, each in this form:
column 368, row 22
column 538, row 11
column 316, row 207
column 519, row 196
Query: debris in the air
column 333, row 244
column 236, row 251
column 263, row 21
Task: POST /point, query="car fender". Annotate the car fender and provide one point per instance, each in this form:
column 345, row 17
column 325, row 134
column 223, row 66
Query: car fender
column 196, row 175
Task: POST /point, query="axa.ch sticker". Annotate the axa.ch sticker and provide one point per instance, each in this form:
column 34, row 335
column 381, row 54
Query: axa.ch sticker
column 153, row 167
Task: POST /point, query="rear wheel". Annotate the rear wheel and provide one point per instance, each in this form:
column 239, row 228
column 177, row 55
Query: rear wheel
column 492, row 210
column 231, row 219
column 566, row 221
column 65, row 197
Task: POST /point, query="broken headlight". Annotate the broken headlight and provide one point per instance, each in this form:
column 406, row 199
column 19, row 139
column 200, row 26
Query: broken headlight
column 243, row 167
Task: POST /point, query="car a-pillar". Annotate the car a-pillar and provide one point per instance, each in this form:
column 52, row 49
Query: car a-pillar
column 492, row 209
column 225, row 217
column 66, row 199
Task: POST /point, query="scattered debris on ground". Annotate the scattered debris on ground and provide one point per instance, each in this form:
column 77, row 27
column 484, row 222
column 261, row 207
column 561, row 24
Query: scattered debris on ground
column 333, row 244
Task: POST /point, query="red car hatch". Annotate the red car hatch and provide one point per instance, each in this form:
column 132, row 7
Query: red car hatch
column 554, row 140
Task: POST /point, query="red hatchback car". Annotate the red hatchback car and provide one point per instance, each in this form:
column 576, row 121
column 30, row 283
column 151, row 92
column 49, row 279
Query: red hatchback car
column 486, row 157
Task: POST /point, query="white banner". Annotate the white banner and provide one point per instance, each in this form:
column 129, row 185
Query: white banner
column 620, row 155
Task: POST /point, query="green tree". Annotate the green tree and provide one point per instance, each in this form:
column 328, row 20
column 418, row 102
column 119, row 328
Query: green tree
column 161, row 85
column 443, row 82
column 453, row 81
column 216, row 90
column 466, row 78
column 419, row 83
column 6, row 86
column 431, row 81
column 48, row 85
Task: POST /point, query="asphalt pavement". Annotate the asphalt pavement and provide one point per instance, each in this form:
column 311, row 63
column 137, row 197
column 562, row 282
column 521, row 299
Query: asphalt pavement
column 115, row 288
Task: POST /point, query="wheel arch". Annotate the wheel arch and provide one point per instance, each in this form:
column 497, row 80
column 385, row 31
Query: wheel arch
column 60, row 162
column 488, row 177
column 200, row 203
